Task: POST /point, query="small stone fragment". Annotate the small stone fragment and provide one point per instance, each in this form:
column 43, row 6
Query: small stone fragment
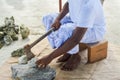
column 16, row 29
column 12, row 33
column 8, row 40
column 1, row 35
column 18, row 53
column 1, row 43
column 9, row 21
column 22, row 59
column 1, row 28
column 24, row 31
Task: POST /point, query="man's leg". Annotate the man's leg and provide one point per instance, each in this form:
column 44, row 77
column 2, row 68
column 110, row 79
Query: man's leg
column 67, row 55
column 64, row 57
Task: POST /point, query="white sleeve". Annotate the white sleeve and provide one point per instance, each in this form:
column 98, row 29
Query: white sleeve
column 86, row 18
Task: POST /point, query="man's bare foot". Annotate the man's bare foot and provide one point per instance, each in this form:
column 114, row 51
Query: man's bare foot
column 72, row 63
column 64, row 58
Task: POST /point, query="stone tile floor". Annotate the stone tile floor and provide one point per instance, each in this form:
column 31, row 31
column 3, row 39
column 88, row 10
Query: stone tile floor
column 107, row 69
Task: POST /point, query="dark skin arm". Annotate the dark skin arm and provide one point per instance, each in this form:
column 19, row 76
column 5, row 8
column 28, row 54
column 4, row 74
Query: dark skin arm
column 68, row 45
column 64, row 11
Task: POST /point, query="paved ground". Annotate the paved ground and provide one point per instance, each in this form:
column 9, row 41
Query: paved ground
column 30, row 12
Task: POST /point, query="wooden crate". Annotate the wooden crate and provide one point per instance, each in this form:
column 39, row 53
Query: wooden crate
column 96, row 51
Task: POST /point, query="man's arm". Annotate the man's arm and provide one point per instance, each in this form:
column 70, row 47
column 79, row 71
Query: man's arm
column 68, row 45
column 64, row 11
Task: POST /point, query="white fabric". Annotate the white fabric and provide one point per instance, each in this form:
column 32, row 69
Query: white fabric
column 86, row 13
column 82, row 13
column 58, row 37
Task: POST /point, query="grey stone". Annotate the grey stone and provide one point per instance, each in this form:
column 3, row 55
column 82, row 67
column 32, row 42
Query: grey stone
column 18, row 53
column 31, row 72
column 24, row 31
column 8, row 40
column 9, row 21
column 31, row 63
column 1, row 43
column 22, row 59
column 16, row 29
column 12, row 33
column 1, row 34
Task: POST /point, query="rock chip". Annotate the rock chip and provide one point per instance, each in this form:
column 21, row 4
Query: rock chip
column 1, row 43
column 18, row 53
column 24, row 31
column 8, row 40
column 22, row 59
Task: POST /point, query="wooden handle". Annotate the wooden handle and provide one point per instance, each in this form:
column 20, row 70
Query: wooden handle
column 46, row 34
column 42, row 37
column 60, row 5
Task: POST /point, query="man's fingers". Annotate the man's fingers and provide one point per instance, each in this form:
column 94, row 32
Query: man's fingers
column 56, row 25
column 41, row 66
column 37, row 62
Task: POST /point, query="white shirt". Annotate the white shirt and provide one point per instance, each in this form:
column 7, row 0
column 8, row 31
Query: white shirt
column 89, row 14
column 86, row 13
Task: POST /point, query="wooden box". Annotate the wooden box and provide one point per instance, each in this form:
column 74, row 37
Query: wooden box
column 96, row 51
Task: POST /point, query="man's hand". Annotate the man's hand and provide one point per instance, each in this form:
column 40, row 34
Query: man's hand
column 64, row 11
column 56, row 24
column 43, row 62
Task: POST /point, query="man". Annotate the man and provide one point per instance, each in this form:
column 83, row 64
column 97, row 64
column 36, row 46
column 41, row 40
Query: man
column 85, row 23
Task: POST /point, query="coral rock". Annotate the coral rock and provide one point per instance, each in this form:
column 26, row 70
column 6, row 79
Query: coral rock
column 1, row 43
column 31, row 72
column 8, row 40
column 24, row 31
column 22, row 59
column 18, row 52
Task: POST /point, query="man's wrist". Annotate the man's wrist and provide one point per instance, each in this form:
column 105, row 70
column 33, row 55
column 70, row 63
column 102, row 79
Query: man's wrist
column 52, row 56
column 57, row 19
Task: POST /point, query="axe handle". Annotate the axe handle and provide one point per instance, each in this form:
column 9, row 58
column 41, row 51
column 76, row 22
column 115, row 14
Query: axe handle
column 60, row 5
column 47, row 33
column 42, row 37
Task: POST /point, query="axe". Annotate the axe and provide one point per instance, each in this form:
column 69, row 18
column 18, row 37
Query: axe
column 27, row 48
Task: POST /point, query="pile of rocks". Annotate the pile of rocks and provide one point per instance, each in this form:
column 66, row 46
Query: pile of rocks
column 30, row 71
column 9, row 32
